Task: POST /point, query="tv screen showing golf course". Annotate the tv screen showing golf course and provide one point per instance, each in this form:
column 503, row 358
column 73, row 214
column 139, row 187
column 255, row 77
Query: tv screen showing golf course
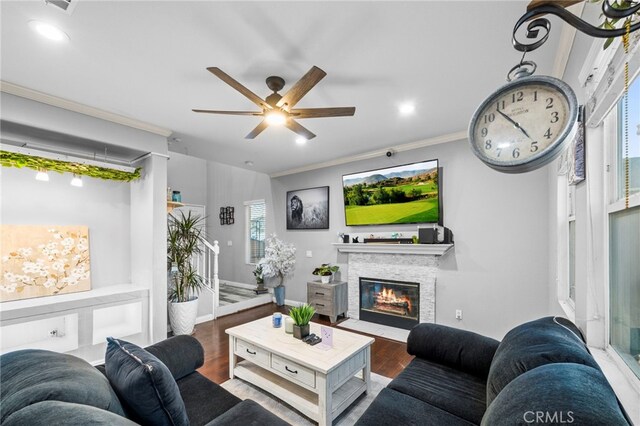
column 399, row 194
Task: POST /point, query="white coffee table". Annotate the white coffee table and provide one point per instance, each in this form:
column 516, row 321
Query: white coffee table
column 321, row 384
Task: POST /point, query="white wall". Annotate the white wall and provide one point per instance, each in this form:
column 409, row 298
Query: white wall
column 101, row 205
column 498, row 270
column 189, row 176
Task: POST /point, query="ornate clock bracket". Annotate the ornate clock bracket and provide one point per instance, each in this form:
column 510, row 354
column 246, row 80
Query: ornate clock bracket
column 537, row 23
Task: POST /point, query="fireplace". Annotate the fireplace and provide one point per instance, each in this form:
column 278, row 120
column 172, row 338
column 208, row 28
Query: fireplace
column 388, row 302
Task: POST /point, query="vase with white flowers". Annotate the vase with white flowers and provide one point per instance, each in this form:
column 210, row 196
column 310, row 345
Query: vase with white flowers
column 278, row 263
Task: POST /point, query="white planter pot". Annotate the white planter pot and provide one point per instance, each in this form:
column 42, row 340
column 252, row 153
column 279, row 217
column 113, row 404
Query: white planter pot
column 182, row 316
column 325, row 279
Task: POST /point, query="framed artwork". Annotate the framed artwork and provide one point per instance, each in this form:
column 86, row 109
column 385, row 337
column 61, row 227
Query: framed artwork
column 41, row 261
column 576, row 153
column 226, row 215
column 308, row 208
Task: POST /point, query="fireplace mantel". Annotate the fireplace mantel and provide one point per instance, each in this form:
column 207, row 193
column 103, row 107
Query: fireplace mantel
column 425, row 249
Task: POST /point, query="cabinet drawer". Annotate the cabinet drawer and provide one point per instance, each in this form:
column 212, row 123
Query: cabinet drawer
column 320, row 291
column 322, row 307
column 251, row 353
column 293, row 370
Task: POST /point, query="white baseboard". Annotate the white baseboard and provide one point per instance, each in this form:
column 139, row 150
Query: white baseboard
column 204, row 318
column 289, row 302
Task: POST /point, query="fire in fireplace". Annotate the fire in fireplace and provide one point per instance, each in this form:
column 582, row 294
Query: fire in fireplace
column 393, row 303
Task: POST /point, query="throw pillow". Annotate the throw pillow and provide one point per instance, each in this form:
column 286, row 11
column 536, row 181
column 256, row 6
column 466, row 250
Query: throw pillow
column 145, row 383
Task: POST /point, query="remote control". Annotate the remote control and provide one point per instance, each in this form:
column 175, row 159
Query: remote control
column 315, row 341
column 308, row 338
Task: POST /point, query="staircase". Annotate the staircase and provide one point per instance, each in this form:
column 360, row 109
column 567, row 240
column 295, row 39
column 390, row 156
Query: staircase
column 207, row 266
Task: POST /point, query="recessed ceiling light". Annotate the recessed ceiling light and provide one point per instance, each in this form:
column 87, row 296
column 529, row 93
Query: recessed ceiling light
column 48, row 31
column 249, row 163
column 407, row 108
column 300, row 140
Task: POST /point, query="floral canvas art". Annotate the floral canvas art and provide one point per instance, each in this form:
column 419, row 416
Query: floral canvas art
column 41, row 261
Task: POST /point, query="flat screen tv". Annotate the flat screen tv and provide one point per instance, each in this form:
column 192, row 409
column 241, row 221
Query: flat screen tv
column 393, row 195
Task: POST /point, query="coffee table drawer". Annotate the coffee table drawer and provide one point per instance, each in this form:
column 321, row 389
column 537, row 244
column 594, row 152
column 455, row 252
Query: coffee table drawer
column 295, row 371
column 251, row 352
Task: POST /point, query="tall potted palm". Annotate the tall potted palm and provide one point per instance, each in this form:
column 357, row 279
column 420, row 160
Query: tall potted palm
column 184, row 242
column 279, row 261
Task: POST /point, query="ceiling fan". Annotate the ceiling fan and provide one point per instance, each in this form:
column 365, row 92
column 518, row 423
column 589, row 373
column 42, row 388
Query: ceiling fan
column 278, row 109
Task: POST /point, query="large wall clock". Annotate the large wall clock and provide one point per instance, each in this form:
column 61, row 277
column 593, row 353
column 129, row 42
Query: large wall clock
column 524, row 124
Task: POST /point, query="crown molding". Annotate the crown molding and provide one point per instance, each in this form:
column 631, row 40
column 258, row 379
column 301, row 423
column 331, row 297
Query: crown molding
column 450, row 137
column 34, row 95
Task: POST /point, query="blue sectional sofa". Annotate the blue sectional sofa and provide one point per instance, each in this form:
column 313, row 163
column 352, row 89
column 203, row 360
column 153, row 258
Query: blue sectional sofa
column 46, row 388
column 541, row 373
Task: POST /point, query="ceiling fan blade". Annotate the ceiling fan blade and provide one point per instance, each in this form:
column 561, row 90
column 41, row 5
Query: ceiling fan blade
column 323, row 112
column 239, row 87
column 299, row 129
column 302, row 86
column 259, row 129
column 210, row 111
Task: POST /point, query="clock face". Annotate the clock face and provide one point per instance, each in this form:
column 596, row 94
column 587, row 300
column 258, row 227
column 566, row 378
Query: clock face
column 523, row 125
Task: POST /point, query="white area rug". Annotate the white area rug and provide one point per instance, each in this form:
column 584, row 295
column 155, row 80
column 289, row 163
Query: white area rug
column 385, row 331
column 244, row 390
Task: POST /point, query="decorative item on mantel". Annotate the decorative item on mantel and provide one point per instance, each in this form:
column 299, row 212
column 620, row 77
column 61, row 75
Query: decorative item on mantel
column 43, row 261
column 301, row 316
column 279, row 261
column 326, row 272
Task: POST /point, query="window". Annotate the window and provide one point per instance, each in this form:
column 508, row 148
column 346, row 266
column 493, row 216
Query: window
column 624, row 237
column 256, row 230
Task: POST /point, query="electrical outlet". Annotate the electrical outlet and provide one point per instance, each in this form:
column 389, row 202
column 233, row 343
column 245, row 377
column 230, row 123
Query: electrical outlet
column 459, row 314
column 309, row 254
column 229, row 243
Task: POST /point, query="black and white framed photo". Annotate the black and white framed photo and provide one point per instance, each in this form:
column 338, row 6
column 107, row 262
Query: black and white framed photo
column 308, row 208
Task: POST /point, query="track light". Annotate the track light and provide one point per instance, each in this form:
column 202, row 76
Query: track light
column 76, row 181
column 42, row 175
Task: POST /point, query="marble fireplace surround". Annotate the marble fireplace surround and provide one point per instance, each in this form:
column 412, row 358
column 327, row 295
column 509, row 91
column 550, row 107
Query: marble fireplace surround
column 394, row 262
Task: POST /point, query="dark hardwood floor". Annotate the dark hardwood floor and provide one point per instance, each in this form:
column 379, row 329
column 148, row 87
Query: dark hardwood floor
column 388, row 357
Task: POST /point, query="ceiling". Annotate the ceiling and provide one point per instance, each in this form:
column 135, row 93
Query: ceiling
column 147, row 60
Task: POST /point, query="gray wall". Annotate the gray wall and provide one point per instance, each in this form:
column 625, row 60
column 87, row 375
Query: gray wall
column 497, row 272
column 218, row 185
column 101, row 205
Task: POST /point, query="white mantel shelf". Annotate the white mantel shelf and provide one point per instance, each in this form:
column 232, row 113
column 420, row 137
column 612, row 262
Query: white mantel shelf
column 425, row 249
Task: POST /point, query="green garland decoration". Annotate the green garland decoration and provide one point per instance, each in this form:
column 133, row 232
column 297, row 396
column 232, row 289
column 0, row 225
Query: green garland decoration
column 12, row 159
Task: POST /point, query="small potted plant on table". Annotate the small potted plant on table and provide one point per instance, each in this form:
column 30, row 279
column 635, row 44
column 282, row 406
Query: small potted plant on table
column 325, row 271
column 301, row 316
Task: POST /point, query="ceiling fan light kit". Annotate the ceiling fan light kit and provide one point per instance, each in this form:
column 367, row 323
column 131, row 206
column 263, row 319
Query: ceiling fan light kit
column 278, row 110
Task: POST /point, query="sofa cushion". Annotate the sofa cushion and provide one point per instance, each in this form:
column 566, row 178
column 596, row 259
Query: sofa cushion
column 203, row 399
column 460, row 349
column 49, row 413
column 30, row 376
column 451, row 390
column 248, row 413
column 145, row 383
column 181, row 354
column 394, row 408
column 533, row 344
column 562, row 393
